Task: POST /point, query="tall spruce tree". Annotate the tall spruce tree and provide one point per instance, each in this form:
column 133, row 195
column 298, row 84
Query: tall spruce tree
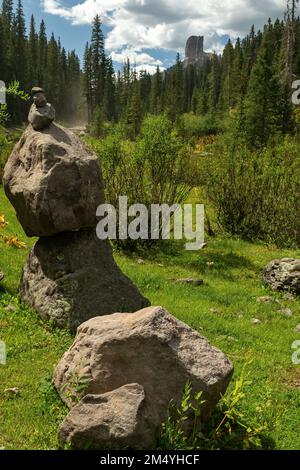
column 156, row 92
column 98, row 64
column 42, row 62
column 264, row 107
column 33, row 53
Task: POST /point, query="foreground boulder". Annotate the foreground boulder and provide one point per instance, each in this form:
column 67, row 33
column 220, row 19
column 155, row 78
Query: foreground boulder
column 53, row 181
column 150, row 348
column 283, row 275
column 115, row 420
column 72, row 277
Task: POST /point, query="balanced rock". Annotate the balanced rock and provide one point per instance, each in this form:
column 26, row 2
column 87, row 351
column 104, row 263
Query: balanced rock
column 40, row 100
column 283, row 275
column 150, row 348
column 39, row 97
column 53, row 181
column 115, row 420
column 72, row 277
column 41, row 117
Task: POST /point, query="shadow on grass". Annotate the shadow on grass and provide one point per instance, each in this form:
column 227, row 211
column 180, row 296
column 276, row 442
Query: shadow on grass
column 210, row 260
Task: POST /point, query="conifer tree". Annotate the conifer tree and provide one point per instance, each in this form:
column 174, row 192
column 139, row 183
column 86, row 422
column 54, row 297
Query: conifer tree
column 226, row 101
column 263, row 105
column 109, row 105
column 98, row 64
column 214, row 84
column 33, row 53
column 156, row 91
column 42, row 62
column 87, row 79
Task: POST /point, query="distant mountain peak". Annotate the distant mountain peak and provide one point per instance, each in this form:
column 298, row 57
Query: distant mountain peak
column 194, row 51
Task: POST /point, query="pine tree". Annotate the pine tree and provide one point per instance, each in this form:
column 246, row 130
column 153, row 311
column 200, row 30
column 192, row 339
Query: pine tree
column 109, row 103
column 98, row 64
column 53, row 84
column 87, row 79
column 226, row 101
column 264, row 107
column 73, row 79
column 42, row 59
column 7, row 20
column 33, row 53
column 156, row 91
column 19, row 46
column 7, row 12
column 175, row 90
column 2, row 50
column 290, row 39
column 145, row 90
column 134, row 109
column 238, row 88
column 214, row 84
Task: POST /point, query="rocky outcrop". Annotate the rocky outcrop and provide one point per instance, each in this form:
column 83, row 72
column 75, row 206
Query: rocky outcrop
column 72, row 277
column 283, row 275
column 55, row 184
column 150, row 348
column 115, row 420
column 53, row 181
column 194, row 52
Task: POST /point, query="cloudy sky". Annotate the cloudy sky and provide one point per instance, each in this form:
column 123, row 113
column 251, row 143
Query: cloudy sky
column 150, row 32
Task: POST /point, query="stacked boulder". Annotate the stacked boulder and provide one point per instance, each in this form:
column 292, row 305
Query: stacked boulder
column 41, row 112
column 55, row 184
column 122, row 371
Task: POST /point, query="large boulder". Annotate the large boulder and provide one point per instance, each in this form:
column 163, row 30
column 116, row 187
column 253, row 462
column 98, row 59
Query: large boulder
column 150, row 348
column 72, row 277
column 115, row 420
column 283, row 275
column 53, row 181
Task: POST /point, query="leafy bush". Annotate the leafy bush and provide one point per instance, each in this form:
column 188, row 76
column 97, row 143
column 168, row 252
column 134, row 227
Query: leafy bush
column 193, row 126
column 229, row 428
column 158, row 168
column 7, row 139
column 5, row 150
column 256, row 194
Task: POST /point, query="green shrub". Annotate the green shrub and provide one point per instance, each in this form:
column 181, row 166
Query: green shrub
column 6, row 145
column 158, row 168
column 229, row 428
column 193, row 126
column 256, row 194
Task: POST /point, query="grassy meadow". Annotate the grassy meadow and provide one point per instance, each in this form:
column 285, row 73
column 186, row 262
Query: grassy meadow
column 222, row 309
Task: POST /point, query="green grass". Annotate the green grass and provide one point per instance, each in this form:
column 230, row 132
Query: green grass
column 221, row 310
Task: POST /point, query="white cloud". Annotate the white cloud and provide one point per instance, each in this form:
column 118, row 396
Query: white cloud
column 136, row 26
column 135, row 57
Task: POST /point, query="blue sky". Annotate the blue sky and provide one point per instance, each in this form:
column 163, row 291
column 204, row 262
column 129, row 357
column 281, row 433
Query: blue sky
column 150, row 32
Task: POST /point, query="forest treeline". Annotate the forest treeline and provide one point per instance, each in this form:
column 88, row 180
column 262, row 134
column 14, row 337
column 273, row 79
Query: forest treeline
column 228, row 128
column 32, row 59
column 251, row 81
